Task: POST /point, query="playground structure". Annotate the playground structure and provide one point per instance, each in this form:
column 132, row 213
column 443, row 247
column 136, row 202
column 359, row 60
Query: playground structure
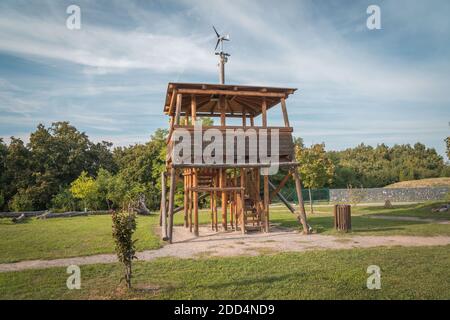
column 241, row 187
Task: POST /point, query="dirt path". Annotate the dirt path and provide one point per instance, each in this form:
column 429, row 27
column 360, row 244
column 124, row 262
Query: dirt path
column 225, row 244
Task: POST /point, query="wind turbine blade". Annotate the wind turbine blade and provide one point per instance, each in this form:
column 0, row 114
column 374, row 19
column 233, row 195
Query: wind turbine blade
column 218, row 35
column 217, row 44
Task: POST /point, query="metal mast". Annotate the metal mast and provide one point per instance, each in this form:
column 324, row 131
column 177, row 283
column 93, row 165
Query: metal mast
column 223, row 56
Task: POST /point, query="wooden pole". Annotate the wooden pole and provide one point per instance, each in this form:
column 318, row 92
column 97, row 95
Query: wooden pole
column 243, row 222
column 171, row 202
column 285, row 114
column 186, row 198
column 280, row 186
column 193, row 109
column 211, row 205
column 298, row 187
column 195, row 204
column 178, row 108
column 215, row 203
column 222, row 111
column 266, row 201
column 222, row 184
column 191, row 205
column 163, row 208
column 264, row 113
column 235, row 200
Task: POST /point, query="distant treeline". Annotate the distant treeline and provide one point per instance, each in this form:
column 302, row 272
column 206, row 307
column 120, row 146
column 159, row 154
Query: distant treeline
column 371, row 167
column 61, row 169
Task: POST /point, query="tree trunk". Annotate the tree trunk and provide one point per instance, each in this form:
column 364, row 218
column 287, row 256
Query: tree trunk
column 310, row 201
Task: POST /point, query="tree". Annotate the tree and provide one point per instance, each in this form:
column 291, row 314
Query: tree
column 18, row 174
column 447, row 142
column 83, row 188
column 124, row 226
column 315, row 168
column 64, row 201
column 3, row 154
column 102, row 185
column 21, row 202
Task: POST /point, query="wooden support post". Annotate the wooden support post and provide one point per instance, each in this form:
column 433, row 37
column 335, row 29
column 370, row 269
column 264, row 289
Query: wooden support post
column 242, row 207
column 193, row 110
column 191, row 198
column 163, row 208
column 178, row 109
column 186, row 198
column 285, row 114
column 222, row 184
column 222, row 111
column 266, row 201
column 264, row 113
column 280, row 186
column 171, row 202
column 302, row 215
column 252, row 121
column 211, row 205
column 215, row 202
column 235, row 204
column 195, row 184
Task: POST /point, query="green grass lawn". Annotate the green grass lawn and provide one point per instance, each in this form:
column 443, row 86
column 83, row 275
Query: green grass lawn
column 406, row 273
column 69, row 237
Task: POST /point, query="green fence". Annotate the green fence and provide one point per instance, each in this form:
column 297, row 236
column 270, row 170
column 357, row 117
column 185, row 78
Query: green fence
column 317, row 195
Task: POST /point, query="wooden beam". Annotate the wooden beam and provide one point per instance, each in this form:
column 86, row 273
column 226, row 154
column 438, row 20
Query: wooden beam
column 178, row 108
column 280, row 186
column 172, row 101
column 171, row 202
column 219, row 189
column 232, row 93
column 298, row 187
column 215, row 183
column 285, row 114
column 266, row 202
column 223, row 184
column 193, row 109
column 222, row 112
column 242, row 207
column 195, row 204
column 264, row 113
column 186, row 200
column 163, row 208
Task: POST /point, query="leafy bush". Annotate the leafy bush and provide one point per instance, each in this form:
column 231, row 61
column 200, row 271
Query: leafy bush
column 21, row 201
column 83, row 188
column 2, row 200
column 124, row 226
column 64, row 201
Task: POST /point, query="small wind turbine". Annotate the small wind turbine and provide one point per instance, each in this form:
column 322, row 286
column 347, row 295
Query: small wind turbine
column 223, row 55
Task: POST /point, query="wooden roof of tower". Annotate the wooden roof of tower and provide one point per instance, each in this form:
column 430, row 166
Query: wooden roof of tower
column 238, row 99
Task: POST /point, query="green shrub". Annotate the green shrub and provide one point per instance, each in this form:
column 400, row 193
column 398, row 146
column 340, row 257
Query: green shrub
column 2, row 200
column 21, row 202
column 64, row 201
column 124, row 225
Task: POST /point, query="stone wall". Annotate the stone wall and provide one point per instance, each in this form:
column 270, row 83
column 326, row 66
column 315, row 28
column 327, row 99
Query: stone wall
column 394, row 195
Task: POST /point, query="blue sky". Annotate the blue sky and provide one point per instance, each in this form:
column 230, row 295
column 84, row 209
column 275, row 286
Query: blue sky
column 109, row 78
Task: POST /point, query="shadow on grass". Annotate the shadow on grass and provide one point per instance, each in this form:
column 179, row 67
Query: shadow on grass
column 360, row 224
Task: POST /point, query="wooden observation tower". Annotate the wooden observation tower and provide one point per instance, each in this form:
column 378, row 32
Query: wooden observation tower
column 238, row 185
